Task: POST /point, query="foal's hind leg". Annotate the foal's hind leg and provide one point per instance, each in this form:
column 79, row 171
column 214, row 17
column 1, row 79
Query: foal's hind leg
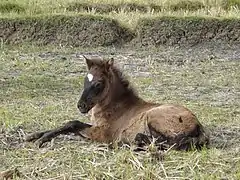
column 45, row 136
column 141, row 140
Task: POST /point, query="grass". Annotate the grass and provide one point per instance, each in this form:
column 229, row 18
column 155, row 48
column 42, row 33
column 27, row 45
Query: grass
column 41, row 85
column 11, row 7
column 203, row 8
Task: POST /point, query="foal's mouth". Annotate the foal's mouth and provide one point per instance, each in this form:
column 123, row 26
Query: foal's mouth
column 83, row 111
column 84, row 107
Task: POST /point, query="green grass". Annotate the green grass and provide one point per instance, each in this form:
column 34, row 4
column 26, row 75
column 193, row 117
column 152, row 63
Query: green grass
column 11, row 7
column 203, row 8
column 41, row 85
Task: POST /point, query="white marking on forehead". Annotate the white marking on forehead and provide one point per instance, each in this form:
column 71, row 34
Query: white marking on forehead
column 90, row 77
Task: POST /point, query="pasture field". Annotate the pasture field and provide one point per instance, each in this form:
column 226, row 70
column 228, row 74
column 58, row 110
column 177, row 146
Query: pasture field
column 40, row 87
column 42, row 71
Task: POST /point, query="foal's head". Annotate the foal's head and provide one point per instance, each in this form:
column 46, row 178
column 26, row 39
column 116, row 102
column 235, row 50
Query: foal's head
column 96, row 83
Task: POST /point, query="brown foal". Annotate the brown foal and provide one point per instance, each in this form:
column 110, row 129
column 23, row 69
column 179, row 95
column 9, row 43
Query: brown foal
column 118, row 114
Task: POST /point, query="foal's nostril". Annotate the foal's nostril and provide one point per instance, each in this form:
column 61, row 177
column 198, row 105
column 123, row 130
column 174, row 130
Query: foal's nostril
column 81, row 105
column 83, row 108
column 78, row 105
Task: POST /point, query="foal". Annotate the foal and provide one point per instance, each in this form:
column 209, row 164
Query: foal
column 119, row 115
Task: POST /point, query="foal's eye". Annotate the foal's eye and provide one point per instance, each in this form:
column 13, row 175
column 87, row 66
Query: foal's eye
column 98, row 84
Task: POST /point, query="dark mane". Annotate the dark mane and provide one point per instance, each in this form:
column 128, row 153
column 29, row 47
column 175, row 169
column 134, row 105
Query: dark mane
column 124, row 81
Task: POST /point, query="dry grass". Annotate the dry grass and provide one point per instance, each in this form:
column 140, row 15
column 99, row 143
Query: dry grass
column 41, row 85
column 40, row 88
column 211, row 8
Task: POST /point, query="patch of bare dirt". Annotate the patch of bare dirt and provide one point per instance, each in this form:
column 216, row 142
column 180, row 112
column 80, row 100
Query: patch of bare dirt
column 225, row 137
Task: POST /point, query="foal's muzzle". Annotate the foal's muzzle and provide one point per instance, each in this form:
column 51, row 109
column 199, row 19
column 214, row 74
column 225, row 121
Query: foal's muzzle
column 83, row 107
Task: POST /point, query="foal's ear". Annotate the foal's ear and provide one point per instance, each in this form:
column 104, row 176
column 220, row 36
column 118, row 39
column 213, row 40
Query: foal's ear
column 109, row 63
column 89, row 62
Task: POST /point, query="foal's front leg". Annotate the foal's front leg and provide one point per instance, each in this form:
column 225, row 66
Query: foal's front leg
column 45, row 136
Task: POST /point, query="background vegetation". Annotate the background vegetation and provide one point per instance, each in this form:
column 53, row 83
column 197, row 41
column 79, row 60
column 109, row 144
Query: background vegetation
column 127, row 12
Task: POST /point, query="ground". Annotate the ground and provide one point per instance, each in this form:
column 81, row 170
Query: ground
column 40, row 87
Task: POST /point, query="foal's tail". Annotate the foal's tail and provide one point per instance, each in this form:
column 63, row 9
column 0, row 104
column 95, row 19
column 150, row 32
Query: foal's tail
column 195, row 139
column 203, row 139
column 200, row 140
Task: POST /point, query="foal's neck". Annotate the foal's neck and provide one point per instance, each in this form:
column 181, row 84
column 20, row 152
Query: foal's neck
column 119, row 99
column 121, row 94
